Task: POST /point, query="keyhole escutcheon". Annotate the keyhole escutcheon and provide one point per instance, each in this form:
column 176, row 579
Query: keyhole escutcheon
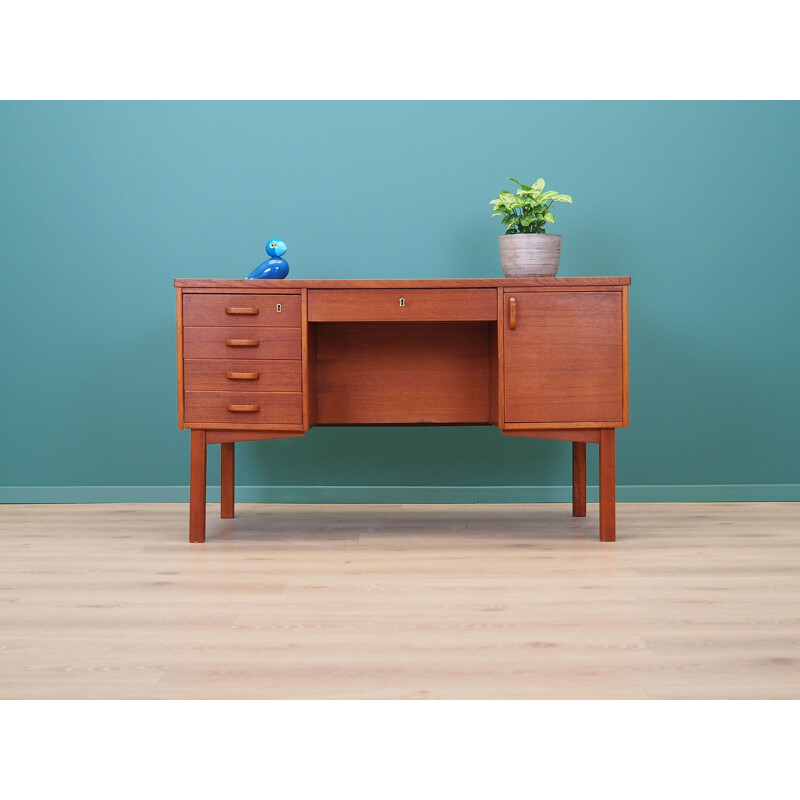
column 278, row 308
column 402, row 302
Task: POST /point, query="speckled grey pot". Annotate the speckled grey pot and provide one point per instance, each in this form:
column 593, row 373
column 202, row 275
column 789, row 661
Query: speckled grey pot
column 530, row 255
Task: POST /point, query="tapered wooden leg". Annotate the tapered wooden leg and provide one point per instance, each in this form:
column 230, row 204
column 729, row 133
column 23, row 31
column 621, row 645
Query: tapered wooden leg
column 608, row 487
column 579, row 479
column 197, row 488
column 227, row 480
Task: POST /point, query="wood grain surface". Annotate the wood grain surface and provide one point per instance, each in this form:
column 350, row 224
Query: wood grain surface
column 179, row 337
column 402, row 305
column 309, row 361
column 244, row 310
column 608, row 485
column 483, row 601
column 197, row 491
column 255, row 407
column 390, row 373
column 579, row 479
column 248, row 435
column 215, row 284
column 227, row 479
column 251, row 375
column 564, row 361
column 272, row 343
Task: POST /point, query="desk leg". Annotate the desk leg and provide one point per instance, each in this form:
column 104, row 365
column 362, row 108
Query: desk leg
column 227, row 480
column 608, row 524
column 197, row 488
column 579, row 479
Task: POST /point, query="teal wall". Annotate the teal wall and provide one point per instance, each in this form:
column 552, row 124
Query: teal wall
column 103, row 204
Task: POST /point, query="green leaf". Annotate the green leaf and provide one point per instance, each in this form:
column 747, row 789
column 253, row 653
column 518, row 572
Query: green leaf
column 518, row 183
column 527, row 211
column 505, row 203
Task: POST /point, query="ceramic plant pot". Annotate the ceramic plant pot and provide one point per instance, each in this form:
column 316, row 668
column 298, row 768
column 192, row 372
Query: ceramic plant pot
column 530, row 255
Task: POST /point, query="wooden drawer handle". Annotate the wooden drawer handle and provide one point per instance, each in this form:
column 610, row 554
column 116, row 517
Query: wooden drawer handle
column 241, row 342
column 512, row 313
column 234, row 407
column 242, row 376
column 251, row 311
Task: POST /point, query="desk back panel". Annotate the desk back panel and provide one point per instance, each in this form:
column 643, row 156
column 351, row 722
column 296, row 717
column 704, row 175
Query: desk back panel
column 403, row 373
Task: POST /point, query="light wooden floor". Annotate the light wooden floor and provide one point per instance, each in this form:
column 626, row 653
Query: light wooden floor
column 482, row 601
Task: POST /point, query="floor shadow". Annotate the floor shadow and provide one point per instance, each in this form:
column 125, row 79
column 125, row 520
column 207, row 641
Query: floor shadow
column 553, row 522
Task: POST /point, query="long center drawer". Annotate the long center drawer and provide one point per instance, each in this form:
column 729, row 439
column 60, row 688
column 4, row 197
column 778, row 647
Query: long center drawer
column 402, row 305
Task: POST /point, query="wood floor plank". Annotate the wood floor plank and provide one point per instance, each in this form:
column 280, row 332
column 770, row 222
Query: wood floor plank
column 400, row 601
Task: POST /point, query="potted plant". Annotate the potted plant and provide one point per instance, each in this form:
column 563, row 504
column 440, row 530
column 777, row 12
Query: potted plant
column 526, row 251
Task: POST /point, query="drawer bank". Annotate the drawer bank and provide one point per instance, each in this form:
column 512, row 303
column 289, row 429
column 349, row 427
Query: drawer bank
column 538, row 357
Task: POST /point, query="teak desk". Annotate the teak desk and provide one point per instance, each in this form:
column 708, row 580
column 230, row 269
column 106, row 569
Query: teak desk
column 538, row 357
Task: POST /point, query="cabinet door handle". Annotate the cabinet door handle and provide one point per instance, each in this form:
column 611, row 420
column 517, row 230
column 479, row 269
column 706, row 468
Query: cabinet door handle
column 242, row 376
column 512, row 313
column 241, row 342
column 234, row 407
column 231, row 310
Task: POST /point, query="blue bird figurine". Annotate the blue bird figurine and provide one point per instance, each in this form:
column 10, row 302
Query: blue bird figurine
column 274, row 267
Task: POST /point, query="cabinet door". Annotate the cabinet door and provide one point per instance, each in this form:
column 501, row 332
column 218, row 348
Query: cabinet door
column 563, row 359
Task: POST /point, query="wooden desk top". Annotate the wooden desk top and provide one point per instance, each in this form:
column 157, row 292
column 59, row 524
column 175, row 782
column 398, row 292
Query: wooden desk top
column 425, row 283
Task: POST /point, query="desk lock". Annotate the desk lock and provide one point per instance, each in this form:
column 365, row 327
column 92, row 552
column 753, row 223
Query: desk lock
column 402, row 302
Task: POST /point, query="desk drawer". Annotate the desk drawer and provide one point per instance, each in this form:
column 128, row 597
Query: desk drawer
column 244, row 408
column 402, row 305
column 218, row 374
column 247, row 310
column 245, row 343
